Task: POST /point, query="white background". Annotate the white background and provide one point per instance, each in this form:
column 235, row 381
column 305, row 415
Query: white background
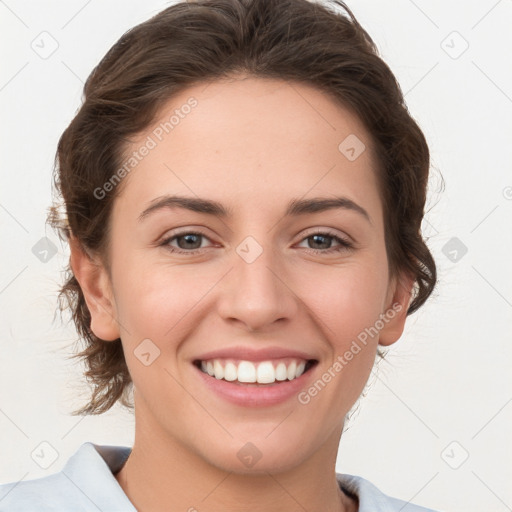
column 445, row 393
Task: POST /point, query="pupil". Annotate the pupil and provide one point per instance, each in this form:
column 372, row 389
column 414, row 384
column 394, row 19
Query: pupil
column 315, row 237
column 190, row 238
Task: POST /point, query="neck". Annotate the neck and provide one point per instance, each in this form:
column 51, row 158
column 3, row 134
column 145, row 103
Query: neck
column 162, row 474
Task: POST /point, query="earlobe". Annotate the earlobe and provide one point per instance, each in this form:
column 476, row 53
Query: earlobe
column 396, row 312
column 96, row 287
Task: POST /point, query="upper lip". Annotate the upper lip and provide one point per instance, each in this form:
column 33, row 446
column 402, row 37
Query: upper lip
column 252, row 354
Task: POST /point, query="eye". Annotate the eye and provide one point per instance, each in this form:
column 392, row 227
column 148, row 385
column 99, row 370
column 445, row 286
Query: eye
column 323, row 241
column 189, row 242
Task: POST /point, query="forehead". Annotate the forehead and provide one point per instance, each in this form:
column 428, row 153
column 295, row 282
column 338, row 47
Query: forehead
column 248, row 139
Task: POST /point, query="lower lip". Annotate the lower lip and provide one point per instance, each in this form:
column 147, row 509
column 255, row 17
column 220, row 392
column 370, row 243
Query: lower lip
column 256, row 396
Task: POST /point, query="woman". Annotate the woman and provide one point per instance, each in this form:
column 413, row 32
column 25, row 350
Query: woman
column 270, row 137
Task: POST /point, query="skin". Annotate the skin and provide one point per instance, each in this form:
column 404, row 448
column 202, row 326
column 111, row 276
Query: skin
column 251, row 144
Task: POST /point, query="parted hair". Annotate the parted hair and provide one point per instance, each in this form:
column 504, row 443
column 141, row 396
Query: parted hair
column 319, row 44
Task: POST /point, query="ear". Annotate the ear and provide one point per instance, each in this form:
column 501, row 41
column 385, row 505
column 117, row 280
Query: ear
column 395, row 313
column 96, row 287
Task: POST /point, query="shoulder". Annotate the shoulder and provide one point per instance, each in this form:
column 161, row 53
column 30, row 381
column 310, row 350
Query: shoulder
column 85, row 483
column 371, row 499
column 40, row 493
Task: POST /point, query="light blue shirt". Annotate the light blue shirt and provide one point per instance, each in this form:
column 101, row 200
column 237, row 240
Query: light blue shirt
column 87, row 483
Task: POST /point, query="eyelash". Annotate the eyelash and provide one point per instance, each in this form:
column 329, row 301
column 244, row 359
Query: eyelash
column 344, row 244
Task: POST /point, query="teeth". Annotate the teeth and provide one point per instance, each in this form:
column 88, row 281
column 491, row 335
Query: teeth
column 292, row 370
column 246, row 372
column 230, row 372
column 219, row 371
column 264, row 372
column 300, row 369
column 281, row 372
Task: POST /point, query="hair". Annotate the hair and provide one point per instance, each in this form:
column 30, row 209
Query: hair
column 206, row 40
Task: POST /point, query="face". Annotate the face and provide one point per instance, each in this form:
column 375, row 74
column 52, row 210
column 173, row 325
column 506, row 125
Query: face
column 277, row 277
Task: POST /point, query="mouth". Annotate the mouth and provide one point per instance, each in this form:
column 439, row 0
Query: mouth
column 248, row 373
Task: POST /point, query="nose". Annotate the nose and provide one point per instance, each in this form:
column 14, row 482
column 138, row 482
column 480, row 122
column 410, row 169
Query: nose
column 256, row 294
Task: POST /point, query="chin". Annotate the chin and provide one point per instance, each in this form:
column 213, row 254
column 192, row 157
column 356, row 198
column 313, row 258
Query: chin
column 259, row 454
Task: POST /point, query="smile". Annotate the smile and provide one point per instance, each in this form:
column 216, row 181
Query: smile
column 260, row 372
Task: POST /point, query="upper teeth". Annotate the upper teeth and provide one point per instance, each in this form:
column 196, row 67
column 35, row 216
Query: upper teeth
column 265, row 372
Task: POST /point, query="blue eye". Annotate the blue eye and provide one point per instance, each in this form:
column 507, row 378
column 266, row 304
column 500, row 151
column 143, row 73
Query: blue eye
column 190, row 242
column 320, row 236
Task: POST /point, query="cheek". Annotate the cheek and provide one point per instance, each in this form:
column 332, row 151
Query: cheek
column 346, row 301
column 153, row 304
column 158, row 306
column 348, row 304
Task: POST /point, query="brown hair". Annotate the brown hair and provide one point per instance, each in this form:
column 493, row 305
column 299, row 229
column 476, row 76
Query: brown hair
column 202, row 40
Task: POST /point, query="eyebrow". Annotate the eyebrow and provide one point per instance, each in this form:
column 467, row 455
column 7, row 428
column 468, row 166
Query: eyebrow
column 295, row 207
